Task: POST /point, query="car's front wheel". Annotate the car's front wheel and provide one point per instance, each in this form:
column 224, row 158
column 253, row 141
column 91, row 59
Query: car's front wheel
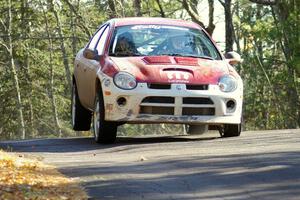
column 104, row 131
column 81, row 117
column 230, row 130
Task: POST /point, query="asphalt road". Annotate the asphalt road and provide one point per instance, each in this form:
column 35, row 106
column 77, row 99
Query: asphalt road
column 256, row 165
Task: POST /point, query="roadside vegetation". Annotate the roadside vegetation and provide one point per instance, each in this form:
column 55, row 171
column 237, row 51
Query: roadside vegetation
column 23, row 178
column 39, row 39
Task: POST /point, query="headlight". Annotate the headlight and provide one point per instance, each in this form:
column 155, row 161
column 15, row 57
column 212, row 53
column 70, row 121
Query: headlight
column 227, row 83
column 125, row 81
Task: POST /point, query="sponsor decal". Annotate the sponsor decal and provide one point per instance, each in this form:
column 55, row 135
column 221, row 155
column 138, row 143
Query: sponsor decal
column 178, row 76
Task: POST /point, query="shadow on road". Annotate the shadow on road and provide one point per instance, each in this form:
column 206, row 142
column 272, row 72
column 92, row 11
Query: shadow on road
column 63, row 145
column 241, row 176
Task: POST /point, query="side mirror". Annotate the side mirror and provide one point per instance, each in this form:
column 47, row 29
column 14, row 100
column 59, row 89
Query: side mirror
column 233, row 58
column 90, row 54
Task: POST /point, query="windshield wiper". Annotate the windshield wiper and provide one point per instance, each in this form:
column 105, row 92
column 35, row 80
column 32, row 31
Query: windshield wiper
column 125, row 55
column 204, row 57
column 187, row 55
column 172, row 54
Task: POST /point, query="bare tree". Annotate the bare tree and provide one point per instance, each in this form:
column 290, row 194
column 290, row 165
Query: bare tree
column 196, row 18
column 25, row 33
column 137, row 8
column 62, row 47
column 237, row 32
column 81, row 22
column 112, row 9
column 51, row 81
column 161, row 10
column 14, row 72
column 229, row 29
column 264, row 2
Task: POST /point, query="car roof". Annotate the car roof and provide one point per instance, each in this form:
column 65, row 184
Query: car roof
column 153, row 20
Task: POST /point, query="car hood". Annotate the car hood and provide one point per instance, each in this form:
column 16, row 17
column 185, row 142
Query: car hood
column 167, row 69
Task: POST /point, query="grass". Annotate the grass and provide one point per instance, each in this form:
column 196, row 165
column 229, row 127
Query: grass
column 27, row 178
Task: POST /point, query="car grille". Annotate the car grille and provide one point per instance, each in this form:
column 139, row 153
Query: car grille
column 197, row 100
column 156, row 110
column 156, row 105
column 197, row 87
column 198, row 111
column 158, row 86
column 158, row 100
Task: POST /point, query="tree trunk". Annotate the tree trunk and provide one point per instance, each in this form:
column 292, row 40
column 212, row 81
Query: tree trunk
column 259, row 44
column 63, row 49
column 237, row 38
column 283, row 10
column 229, row 29
column 196, row 18
column 51, row 81
column 112, row 9
column 211, row 27
column 137, row 8
column 161, row 10
column 29, row 95
column 81, row 22
column 14, row 72
column 74, row 38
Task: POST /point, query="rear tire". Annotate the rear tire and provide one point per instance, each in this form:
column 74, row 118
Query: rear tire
column 104, row 131
column 81, row 117
column 230, row 130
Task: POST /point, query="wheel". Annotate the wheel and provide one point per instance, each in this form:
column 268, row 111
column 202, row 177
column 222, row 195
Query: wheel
column 197, row 129
column 104, row 131
column 230, row 130
column 81, row 117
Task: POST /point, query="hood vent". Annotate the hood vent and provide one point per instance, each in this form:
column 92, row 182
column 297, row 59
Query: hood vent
column 186, row 61
column 157, row 60
column 178, row 69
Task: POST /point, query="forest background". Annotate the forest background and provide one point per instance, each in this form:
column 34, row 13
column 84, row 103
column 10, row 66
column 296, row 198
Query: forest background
column 39, row 39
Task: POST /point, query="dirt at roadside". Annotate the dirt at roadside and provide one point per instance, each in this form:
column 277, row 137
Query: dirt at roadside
column 24, row 178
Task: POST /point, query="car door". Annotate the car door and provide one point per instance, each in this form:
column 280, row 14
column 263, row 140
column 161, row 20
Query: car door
column 94, row 67
column 90, row 67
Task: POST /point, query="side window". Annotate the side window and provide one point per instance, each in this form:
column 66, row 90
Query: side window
column 101, row 44
column 95, row 38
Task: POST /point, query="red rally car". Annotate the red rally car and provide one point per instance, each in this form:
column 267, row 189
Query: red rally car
column 154, row 70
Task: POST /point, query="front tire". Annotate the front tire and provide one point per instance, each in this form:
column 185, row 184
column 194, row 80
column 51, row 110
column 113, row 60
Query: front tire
column 81, row 117
column 104, row 131
column 230, row 130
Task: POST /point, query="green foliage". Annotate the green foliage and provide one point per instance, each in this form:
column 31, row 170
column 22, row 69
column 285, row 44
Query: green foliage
column 266, row 70
column 269, row 43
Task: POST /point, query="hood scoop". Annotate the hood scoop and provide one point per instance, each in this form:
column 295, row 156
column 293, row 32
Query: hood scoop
column 186, row 61
column 178, row 70
column 157, row 60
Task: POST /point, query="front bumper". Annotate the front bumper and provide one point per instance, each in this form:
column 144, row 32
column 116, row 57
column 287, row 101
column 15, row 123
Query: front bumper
column 177, row 104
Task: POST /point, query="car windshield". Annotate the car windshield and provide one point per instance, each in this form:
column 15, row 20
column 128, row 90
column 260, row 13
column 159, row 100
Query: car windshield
column 157, row 40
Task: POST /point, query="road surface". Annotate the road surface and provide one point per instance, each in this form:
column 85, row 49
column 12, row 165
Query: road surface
column 257, row 165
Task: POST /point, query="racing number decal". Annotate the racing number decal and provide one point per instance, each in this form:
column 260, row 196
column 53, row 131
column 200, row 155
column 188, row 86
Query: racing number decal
column 178, row 76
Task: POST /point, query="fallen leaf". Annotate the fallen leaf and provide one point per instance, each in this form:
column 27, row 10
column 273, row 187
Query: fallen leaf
column 143, row 158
